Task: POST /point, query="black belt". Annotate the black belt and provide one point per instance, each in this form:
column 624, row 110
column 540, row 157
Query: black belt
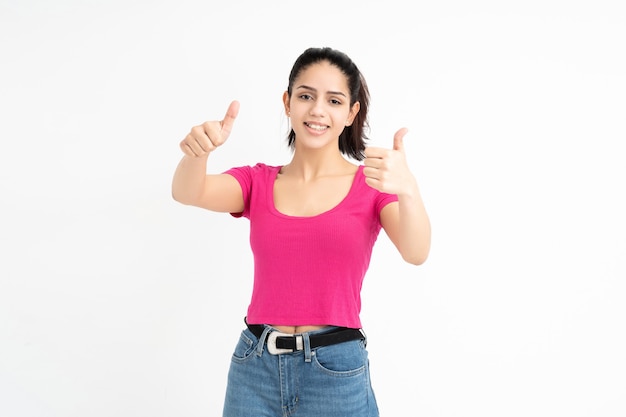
column 282, row 342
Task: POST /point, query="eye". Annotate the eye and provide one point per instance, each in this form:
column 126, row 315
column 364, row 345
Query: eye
column 305, row 97
column 335, row 101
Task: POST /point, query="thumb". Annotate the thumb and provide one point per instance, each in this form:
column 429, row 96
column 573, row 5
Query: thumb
column 229, row 119
column 398, row 139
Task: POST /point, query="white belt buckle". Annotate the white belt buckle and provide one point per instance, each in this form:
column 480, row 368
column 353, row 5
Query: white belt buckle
column 271, row 343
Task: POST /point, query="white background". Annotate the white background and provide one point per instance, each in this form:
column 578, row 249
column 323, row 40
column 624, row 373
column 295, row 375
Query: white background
column 117, row 301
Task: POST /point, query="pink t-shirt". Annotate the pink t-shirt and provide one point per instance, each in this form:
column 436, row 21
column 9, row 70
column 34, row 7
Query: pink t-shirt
column 308, row 270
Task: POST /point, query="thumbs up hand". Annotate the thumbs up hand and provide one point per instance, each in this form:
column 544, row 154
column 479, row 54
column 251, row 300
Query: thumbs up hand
column 204, row 138
column 386, row 170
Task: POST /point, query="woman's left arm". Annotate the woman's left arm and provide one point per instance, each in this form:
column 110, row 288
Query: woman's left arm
column 406, row 221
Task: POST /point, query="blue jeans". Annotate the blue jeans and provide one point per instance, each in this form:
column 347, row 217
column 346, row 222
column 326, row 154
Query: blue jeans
column 328, row 381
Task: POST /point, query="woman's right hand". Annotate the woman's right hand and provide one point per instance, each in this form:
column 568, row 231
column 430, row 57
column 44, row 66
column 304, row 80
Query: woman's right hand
column 204, row 138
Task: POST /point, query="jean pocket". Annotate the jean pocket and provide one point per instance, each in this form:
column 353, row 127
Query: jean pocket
column 343, row 359
column 244, row 347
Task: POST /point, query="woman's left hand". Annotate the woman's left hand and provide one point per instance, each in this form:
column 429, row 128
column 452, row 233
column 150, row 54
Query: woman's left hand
column 386, row 170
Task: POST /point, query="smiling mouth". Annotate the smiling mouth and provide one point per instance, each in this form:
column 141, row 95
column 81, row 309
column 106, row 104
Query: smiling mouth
column 314, row 126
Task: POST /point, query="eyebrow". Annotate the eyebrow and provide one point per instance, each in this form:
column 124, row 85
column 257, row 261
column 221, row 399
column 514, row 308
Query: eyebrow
column 306, row 87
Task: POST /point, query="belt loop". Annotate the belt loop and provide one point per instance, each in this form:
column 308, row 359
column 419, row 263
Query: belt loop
column 307, row 346
column 259, row 348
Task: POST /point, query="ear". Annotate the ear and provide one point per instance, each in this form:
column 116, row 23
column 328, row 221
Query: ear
column 286, row 102
column 353, row 112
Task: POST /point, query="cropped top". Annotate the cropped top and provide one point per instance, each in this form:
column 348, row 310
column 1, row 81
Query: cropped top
column 308, row 270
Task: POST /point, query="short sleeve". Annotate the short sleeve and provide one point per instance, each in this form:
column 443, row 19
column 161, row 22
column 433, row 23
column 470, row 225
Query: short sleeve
column 382, row 199
column 243, row 175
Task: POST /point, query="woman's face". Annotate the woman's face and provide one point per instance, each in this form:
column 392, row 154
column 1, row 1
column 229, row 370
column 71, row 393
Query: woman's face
column 319, row 106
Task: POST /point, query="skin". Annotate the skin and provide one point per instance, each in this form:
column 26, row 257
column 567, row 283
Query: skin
column 318, row 177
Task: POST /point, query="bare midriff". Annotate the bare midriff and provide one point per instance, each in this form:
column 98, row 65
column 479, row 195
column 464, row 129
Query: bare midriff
column 297, row 329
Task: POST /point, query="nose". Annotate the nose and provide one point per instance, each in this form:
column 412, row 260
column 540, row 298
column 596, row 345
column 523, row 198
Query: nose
column 317, row 108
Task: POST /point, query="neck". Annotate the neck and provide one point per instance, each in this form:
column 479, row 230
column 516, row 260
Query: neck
column 312, row 165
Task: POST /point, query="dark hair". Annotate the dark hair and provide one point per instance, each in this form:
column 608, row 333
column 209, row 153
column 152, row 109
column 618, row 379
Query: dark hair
column 352, row 139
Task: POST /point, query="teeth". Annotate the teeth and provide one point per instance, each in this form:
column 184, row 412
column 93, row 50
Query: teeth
column 316, row 127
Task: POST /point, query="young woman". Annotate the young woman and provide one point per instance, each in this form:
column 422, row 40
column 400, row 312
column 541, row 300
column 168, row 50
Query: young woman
column 313, row 224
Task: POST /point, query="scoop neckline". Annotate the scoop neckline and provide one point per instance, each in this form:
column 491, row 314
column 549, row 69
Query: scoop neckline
column 275, row 211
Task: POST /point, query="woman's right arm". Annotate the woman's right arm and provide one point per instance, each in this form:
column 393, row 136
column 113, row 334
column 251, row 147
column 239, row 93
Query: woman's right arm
column 191, row 184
